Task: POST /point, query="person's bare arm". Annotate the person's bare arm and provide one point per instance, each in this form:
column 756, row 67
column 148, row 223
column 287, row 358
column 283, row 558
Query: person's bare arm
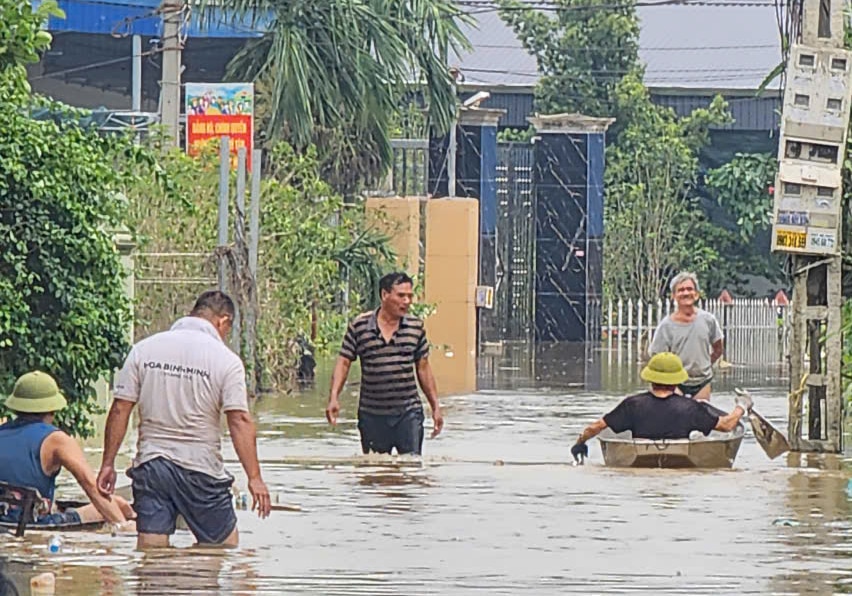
column 116, row 428
column 716, row 350
column 728, row 422
column 591, row 431
column 64, row 451
column 244, row 438
column 426, row 378
column 338, row 379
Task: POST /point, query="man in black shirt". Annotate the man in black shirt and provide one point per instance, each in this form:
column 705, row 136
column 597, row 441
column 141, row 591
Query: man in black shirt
column 661, row 413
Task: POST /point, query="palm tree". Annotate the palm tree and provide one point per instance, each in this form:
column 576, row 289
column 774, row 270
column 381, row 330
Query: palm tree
column 335, row 72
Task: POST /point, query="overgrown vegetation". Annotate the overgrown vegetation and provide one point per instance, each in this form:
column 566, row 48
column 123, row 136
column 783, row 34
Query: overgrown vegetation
column 307, row 238
column 651, row 211
column 61, row 279
column 742, row 190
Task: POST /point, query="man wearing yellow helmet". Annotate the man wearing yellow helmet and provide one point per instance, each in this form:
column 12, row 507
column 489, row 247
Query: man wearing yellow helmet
column 33, row 451
column 662, row 413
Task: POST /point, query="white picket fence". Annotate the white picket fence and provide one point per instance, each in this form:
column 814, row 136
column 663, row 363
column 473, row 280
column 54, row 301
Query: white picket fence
column 756, row 331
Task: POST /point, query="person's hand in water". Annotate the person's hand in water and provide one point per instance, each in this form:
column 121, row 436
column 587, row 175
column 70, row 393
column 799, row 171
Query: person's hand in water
column 580, row 451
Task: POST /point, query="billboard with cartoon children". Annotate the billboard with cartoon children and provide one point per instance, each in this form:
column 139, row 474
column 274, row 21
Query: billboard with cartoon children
column 215, row 110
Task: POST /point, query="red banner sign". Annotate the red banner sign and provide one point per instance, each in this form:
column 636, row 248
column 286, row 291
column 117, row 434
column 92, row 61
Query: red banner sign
column 203, row 128
column 216, row 110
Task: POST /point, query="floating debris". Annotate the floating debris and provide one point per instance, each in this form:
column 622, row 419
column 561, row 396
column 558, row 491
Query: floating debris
column 781, row 521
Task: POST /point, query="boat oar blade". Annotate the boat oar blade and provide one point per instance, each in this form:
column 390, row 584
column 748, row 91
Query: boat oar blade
column 770, row 439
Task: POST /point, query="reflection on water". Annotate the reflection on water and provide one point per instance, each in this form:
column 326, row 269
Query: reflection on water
column 495, row 506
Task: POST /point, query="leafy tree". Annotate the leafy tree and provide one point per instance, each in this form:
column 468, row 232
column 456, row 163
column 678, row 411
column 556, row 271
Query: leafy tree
column 742, row 223
column 651, row 211
column 61, row 279
column 583, row 51
column 743, row 188
column 335, row 73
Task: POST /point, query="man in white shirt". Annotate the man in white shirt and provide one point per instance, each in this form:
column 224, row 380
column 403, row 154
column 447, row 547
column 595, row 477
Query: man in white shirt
column 183, row 380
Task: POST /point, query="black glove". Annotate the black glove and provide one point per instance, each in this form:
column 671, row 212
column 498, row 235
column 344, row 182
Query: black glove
column 580, row 451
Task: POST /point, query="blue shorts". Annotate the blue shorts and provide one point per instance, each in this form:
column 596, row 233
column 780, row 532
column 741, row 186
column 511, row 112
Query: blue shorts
column 380, row 433
column 163, row 489
column 69, row 517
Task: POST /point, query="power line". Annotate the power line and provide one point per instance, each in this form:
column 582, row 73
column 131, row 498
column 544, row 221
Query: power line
column 81, row 68
column 617, row 72
column 639, row 47
column 491, row 7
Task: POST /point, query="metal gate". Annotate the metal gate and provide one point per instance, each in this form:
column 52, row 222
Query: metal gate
column 512, row 319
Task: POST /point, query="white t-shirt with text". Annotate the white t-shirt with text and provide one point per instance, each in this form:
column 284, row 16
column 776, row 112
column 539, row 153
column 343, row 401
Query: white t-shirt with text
column 182, row 381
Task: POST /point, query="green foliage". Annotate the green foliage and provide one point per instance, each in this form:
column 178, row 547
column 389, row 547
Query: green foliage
column 332, row 74
column 742, row 221
column 516, row 135
column 651, row 211
column 583, row 52
column 741, row 187
column 846, row 357
column 22, row 39
column 61, row 279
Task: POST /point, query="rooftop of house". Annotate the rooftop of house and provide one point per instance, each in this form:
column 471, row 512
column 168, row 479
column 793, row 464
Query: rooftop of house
column 731, row 45
column 695, row 44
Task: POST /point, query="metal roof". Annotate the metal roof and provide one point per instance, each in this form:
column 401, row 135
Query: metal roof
column 714, row 45
column 690, row 46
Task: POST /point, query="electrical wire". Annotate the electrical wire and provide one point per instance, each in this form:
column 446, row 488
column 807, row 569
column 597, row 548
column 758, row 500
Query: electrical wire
column 491, row 7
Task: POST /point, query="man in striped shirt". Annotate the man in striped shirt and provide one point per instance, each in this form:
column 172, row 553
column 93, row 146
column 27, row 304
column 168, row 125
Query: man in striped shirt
column 394, row 356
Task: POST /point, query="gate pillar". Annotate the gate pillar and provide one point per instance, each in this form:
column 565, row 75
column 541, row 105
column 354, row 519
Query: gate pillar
column 568, row 172
column 476, row 178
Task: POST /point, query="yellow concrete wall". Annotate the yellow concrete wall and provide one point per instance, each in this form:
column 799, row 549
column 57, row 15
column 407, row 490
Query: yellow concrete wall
column 399, row 218
column 451, row 271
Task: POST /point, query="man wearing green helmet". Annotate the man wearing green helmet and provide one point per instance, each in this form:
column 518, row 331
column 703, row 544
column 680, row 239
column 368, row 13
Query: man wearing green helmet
column 661, row 412
column 33, row 451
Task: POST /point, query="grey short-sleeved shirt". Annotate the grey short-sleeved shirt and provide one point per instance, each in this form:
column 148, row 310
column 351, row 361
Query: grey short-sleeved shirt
column 691, row 341
column 183, row 380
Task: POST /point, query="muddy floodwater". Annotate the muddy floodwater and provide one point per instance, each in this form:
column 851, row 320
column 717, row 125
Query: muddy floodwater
column 495, row 507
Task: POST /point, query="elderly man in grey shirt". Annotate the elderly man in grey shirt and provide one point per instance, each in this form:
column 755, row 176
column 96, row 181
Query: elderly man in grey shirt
column 691, row 333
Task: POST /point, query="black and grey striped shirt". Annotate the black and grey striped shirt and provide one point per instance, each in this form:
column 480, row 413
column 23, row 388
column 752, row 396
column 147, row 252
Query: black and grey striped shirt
column 388, row 381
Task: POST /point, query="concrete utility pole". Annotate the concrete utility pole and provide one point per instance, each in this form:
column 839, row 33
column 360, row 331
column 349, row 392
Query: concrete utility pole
column 136, row 75
column 808, row 217
column 172, row 11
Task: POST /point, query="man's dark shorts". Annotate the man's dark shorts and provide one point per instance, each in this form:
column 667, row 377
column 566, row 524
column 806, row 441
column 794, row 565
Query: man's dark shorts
column 693, row 390
column 381, row 433
column 163, row 489
column 69, row 517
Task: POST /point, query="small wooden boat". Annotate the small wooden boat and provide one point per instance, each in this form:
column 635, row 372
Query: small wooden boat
column 716, row 450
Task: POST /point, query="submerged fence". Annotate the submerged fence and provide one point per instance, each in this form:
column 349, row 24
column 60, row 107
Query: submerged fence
column 756, row 331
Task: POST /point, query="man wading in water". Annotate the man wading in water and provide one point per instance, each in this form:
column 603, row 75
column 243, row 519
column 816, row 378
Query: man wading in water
column 392, row 347
column 691, row 333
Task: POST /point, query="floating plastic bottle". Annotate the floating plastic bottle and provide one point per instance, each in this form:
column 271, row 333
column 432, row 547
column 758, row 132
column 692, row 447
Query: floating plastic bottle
column 54, row 545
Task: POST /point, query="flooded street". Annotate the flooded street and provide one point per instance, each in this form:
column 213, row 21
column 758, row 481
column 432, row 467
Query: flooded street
column 495, row 507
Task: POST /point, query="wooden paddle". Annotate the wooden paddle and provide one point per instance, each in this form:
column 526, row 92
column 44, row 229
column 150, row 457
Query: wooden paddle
column 770, row 439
